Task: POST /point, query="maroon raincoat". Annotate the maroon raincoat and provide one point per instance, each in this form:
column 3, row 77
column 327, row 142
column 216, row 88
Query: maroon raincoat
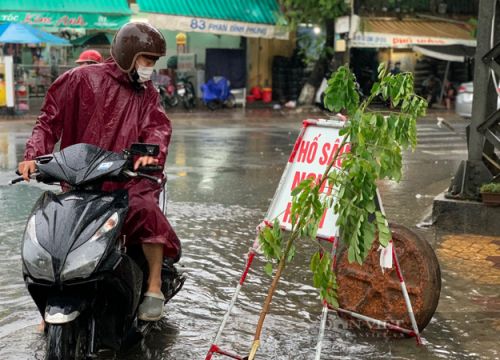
column 98, row 105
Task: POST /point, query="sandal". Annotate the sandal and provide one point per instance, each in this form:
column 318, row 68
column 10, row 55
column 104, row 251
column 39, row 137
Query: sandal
column 151, row 308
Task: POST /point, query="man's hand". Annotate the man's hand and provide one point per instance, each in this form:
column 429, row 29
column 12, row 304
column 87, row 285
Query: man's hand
column 145, row 160
column 26, row 168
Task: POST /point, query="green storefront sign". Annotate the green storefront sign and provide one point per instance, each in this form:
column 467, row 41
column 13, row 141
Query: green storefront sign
column 66, row 20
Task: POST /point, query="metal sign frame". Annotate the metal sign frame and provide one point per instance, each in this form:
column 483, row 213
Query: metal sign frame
column 254, row 250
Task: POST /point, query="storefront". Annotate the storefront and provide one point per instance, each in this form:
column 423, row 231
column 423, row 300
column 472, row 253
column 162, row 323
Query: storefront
column 13, row 36
column 245, row 29
column 67, row 14
column 375, row 40
column 37, row 65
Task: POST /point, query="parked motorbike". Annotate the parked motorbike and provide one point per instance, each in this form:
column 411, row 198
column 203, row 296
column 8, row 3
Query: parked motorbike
column 217, row 93
column 85, row 283
column 186, row 93
column 168, row 95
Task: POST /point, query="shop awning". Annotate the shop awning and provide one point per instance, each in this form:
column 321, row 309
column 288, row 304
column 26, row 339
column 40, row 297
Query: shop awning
column 16, row 33
column 456, row 53
column 250, row 18
column 76, row 14
column 393, row 33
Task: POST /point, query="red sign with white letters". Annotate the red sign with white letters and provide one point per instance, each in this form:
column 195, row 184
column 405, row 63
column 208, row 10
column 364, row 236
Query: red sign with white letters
column 314, row 149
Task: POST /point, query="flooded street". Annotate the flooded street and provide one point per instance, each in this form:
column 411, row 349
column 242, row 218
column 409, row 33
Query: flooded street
column 223, row 169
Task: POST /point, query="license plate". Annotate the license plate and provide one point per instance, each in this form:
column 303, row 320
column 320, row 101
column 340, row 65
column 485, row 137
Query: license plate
column 467, row 97
column 181, row 92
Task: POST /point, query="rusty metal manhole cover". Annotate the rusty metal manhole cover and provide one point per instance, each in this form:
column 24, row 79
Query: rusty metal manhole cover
column 366, row 290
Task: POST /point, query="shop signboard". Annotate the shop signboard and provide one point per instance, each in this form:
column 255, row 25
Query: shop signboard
column 314, row 150
column 66, row 20
column 342, row 24
column 216, row 26
column 383, row 40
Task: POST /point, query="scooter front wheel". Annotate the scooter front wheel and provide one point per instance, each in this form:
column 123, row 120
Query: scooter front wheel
column 66, row 342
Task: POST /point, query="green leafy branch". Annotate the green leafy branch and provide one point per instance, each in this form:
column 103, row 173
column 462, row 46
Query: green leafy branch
column 377, row 139
column 377, row 142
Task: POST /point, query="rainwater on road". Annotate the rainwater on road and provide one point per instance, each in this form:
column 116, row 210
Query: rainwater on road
column 223, row 169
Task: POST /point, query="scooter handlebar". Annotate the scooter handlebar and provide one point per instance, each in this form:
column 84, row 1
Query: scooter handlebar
column 33, row 176
column 134, row 174
column 149, row 169
column 16, row 180
column 150, row 177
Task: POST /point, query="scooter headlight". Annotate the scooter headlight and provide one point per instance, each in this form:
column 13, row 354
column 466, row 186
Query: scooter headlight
column 82, row 261
column 37, row 260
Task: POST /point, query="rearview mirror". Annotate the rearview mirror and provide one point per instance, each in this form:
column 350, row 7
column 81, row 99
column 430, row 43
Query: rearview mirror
column 145, row 149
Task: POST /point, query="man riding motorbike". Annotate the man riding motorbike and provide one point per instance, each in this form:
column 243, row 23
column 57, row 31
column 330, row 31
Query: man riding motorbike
column 112, row 105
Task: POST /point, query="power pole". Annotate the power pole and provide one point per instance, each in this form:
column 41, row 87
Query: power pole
column 482, row 164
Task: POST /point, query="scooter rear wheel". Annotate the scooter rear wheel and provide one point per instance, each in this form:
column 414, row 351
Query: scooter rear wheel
column 170, row 101
column 66, row 342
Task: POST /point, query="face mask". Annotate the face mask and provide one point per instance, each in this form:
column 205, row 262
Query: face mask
column 144, row 73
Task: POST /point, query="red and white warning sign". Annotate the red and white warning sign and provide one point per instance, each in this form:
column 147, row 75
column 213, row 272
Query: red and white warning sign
column 314, row 149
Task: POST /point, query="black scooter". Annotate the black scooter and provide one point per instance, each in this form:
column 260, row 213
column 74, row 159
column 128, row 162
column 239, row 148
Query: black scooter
column 85, row 283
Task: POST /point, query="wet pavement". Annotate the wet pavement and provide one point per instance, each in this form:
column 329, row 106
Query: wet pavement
column 223, row 169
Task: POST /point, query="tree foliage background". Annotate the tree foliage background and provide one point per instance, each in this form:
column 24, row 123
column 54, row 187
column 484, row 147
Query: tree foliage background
column 312, row 11
column 319, row 12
